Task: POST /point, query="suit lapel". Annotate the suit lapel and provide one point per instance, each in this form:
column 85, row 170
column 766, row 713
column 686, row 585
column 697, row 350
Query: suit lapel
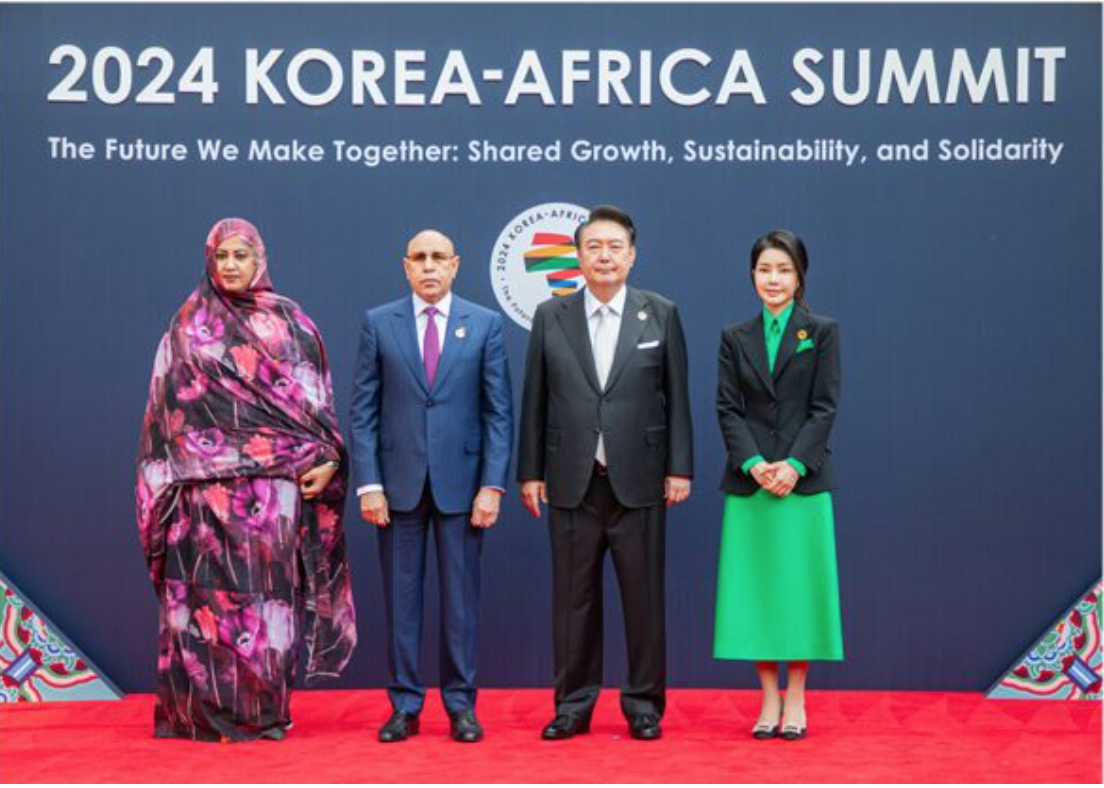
column 405, row 326
column 797, row 322
column 753, row 340
column 452, row 342
column 632, row 326
column 573, row 322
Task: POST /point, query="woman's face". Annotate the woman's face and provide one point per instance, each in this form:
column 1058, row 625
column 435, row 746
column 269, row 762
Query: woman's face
column 235, row 264
column 776, row 279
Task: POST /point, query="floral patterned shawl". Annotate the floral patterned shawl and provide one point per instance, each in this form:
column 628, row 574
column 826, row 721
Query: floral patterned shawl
column 241, row 388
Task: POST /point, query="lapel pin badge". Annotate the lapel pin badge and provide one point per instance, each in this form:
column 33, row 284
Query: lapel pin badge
column 802, row 334
column 461, row 332
column 641, row 315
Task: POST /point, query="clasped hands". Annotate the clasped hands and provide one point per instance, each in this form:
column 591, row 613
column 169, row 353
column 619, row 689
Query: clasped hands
column 374, row 509
column 778, row 478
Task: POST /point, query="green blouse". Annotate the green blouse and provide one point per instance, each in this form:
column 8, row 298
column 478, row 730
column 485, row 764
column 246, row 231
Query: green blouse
column 774, row 327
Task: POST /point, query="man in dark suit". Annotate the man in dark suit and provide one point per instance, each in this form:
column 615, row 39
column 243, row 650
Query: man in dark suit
column 432, row 430
column 606, row 443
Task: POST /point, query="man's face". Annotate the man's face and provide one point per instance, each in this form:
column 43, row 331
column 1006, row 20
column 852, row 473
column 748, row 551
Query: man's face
column 606, row 255
column 431, row 264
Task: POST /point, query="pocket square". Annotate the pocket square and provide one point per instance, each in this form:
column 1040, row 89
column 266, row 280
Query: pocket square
column 646, row 345
column 805, row 344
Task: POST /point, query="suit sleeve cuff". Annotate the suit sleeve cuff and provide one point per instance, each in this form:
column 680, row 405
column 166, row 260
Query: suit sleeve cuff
column 798, row 466
column 751, row 463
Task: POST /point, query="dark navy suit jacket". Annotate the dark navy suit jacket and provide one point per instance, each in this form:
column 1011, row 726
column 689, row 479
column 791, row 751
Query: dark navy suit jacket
column 459, row 432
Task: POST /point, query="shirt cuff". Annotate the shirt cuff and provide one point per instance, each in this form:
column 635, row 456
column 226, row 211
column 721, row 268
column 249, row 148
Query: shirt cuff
column 369, row 488
column 798, row 466
column 751, row 463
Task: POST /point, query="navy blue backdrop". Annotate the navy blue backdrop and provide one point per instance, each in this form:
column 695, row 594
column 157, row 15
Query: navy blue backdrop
column 968, row 444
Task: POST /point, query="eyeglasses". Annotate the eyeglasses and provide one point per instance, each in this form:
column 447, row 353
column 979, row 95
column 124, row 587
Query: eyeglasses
column 434, row 260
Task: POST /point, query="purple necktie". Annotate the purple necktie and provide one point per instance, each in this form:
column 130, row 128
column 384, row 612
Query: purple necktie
column 431, row 351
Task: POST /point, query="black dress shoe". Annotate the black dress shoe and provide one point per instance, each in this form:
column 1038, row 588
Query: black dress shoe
column 644, row 726
column 565, row 726
column 400, row 727
column 464, row 727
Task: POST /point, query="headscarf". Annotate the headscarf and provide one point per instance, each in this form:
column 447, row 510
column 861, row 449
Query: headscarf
column 241, row 388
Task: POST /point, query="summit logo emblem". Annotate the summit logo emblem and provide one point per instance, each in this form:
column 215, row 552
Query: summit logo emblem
column 535, row 259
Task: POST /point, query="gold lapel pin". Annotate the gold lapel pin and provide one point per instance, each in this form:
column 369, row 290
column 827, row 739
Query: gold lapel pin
column 802, row 334
column 641, row 315
column 461, row 332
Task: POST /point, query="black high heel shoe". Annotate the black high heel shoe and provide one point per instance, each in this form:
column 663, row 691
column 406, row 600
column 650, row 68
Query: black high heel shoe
column 764, row 730
column 791, row 731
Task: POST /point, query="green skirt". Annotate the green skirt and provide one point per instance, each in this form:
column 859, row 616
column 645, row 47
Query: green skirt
column 777, row 586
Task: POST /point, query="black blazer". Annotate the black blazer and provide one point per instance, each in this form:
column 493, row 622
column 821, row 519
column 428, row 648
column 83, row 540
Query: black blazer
column 787, row 414
column 644, row 412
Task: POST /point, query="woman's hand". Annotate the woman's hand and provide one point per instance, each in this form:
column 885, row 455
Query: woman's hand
column 763, row 473
column 314, row 481
column 784, row 478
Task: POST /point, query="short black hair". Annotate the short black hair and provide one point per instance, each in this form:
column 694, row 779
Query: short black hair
column 607, row 213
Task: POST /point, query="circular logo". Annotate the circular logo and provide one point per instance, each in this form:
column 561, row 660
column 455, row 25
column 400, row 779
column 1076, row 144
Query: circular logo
column 535, row 259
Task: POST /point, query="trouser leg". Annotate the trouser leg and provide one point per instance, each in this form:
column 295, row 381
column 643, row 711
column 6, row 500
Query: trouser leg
column 579, row 546
column 637, row 544
column 459, row 551
column 402, row 546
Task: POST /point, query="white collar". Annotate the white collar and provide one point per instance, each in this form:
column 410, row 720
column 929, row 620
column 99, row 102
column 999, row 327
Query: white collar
column 443, row 306
column 616, row 304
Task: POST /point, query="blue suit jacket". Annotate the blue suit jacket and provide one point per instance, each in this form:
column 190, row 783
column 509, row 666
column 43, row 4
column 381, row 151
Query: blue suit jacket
column 459, row 432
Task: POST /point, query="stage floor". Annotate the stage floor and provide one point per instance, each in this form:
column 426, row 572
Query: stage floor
column 853, row 737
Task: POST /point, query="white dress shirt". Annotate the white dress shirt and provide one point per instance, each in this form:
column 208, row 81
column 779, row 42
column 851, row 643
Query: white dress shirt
column 616, row 312
column 422, row 319
column 615, row 309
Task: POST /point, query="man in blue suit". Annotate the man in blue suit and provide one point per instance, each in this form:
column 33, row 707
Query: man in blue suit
column 432, row 430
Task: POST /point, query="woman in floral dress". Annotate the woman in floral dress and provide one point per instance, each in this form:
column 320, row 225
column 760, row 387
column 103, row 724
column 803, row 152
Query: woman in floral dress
column 240, row 494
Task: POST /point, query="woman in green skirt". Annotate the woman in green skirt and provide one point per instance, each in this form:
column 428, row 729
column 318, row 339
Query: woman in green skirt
column 777, row 390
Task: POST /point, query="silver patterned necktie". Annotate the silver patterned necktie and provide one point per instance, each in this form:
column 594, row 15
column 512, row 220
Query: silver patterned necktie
column 602, row 361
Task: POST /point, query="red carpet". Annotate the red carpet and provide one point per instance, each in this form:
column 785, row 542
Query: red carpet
column 854, row 737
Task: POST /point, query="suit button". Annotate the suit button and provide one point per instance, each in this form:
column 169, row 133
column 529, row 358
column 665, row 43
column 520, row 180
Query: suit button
column 429, row 403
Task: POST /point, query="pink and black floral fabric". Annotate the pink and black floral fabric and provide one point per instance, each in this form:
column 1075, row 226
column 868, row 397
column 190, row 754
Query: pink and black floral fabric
column 240, row 406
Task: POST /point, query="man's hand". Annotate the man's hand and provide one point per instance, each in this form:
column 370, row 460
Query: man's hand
column 373, row 508
column 314, row 481
column 533, row 495
column 677, row 489
column 485, row 507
